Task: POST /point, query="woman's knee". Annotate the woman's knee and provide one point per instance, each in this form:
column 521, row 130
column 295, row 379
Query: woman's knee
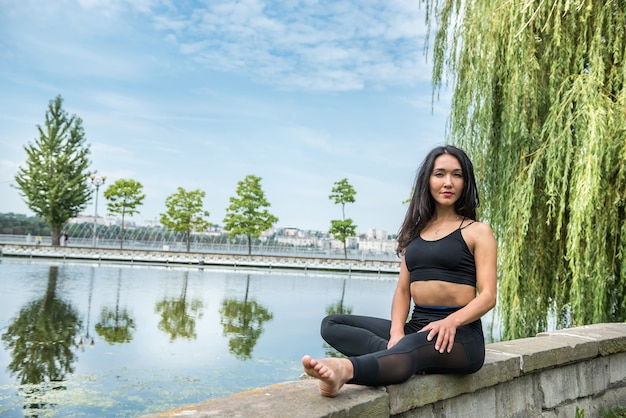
column 327, row 324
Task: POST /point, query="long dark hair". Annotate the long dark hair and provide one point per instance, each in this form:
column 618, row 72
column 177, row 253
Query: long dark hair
column 422, row 206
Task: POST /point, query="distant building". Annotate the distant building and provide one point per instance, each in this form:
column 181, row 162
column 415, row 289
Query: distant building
column 82, row 219
column 152, row 223
column 290, row 232
column 376, row 246
column 374, row 233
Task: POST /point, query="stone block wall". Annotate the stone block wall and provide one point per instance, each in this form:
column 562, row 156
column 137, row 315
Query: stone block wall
column 547, row 376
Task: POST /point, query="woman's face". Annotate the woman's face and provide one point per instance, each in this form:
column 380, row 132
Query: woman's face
column 446, row 180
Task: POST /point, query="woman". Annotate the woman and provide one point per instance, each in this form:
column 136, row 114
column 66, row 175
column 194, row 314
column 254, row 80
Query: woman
column 448, row 270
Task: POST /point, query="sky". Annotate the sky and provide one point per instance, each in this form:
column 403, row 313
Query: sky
column 200, row 94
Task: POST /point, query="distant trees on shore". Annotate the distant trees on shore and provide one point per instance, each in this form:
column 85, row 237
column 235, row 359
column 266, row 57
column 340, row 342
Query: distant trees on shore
column 17, row 224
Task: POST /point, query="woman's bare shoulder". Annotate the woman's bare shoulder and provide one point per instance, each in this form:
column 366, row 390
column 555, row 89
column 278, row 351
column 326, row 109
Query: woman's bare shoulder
column 478, row 231
column 482, row 228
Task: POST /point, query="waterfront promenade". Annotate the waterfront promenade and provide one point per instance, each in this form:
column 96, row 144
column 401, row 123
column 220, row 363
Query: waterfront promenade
column 202, row 259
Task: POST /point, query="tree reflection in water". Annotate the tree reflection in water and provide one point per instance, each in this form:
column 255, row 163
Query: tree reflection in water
column 88, row 338
column 41, row 340
column 179, row 316
column 167, row 349
column 243, row 321
column 116, row 325
column 337, row 308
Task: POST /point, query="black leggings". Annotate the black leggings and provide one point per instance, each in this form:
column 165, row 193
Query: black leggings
column 364, row 340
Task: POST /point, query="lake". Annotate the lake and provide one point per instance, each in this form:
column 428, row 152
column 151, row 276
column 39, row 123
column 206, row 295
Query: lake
column 93, row 339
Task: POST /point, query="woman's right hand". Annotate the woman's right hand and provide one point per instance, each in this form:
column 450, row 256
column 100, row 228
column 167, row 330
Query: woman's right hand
column 394, row 339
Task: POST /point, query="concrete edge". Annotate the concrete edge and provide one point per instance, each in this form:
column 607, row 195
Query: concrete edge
column 537, row 353
column 498, row 367
column 611, row 337
column 290, row 399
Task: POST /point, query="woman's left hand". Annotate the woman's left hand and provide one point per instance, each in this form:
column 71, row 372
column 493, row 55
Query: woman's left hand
column 444, row 330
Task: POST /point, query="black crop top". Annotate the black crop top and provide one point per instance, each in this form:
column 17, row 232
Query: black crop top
column 447, row 259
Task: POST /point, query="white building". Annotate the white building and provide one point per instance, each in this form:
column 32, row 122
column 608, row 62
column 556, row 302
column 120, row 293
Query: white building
column 374, row 233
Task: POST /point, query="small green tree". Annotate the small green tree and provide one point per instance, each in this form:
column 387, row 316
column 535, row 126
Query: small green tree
column 123, row 198
column 184, row 213
column 342, row 193
column 245, row 215
column 53, row 182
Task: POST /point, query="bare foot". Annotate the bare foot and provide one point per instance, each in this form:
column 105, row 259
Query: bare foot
column 332, row 373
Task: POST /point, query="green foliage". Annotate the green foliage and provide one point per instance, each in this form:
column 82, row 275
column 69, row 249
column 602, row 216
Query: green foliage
column 539, row 104
column 184, row 213
column 342, row 193
column 124, row 196
column 341, row 230
column 41, row 338
column 179, row 315
column 243, row 321
column 116, row 324
column 16, row 224
column 53, row 181
column 617, row 412
column 246, row 214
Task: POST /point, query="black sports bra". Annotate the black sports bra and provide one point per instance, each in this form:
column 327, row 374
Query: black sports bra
column 447, row 259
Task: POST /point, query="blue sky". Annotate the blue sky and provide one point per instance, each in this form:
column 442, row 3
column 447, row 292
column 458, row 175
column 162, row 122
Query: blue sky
column 199, row 94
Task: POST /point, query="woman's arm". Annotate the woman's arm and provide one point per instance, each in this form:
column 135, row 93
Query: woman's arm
column 484, row 244
column 400, row 305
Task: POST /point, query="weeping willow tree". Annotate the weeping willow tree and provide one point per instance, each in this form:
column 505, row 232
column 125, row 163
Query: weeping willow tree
column 539, row 103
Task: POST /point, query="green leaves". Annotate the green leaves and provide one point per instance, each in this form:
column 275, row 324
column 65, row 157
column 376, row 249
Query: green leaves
column 124, row 196
column 539, row 104
column 342, row 193
column 185, row 213
column 246, row 214
column 53, row 181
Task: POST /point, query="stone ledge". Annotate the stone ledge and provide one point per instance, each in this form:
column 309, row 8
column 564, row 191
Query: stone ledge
column 290, row 399
column 611, row 337
column 505, row 382
column 548, row 351
column 498, row 367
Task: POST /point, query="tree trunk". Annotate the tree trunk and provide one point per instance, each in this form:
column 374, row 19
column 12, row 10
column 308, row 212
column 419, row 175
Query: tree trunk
column 122, row 232
column 55, row 235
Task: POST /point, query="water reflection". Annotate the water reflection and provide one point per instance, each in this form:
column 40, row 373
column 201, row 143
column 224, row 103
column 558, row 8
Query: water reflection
column 159, row 338
column 179, row 315
column 337, row 308
column 116, row 325
column 242, row 320
column 87, row 338
column 41, row 341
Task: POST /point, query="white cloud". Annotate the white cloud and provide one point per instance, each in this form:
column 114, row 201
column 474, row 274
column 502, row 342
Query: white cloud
column 305, row 45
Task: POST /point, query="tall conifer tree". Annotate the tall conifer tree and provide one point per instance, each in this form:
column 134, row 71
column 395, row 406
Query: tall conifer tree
column 53, row 181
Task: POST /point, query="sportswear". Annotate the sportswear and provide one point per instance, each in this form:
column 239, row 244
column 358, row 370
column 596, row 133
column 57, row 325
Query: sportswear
column 447, row 259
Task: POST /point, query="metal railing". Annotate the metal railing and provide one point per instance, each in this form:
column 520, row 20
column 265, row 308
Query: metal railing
column 215, row 248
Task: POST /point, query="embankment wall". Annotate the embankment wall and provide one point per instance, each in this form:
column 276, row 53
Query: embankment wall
column 548, row 376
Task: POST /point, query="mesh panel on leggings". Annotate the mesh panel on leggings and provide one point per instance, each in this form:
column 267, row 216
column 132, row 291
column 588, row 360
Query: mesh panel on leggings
column 398, row 367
